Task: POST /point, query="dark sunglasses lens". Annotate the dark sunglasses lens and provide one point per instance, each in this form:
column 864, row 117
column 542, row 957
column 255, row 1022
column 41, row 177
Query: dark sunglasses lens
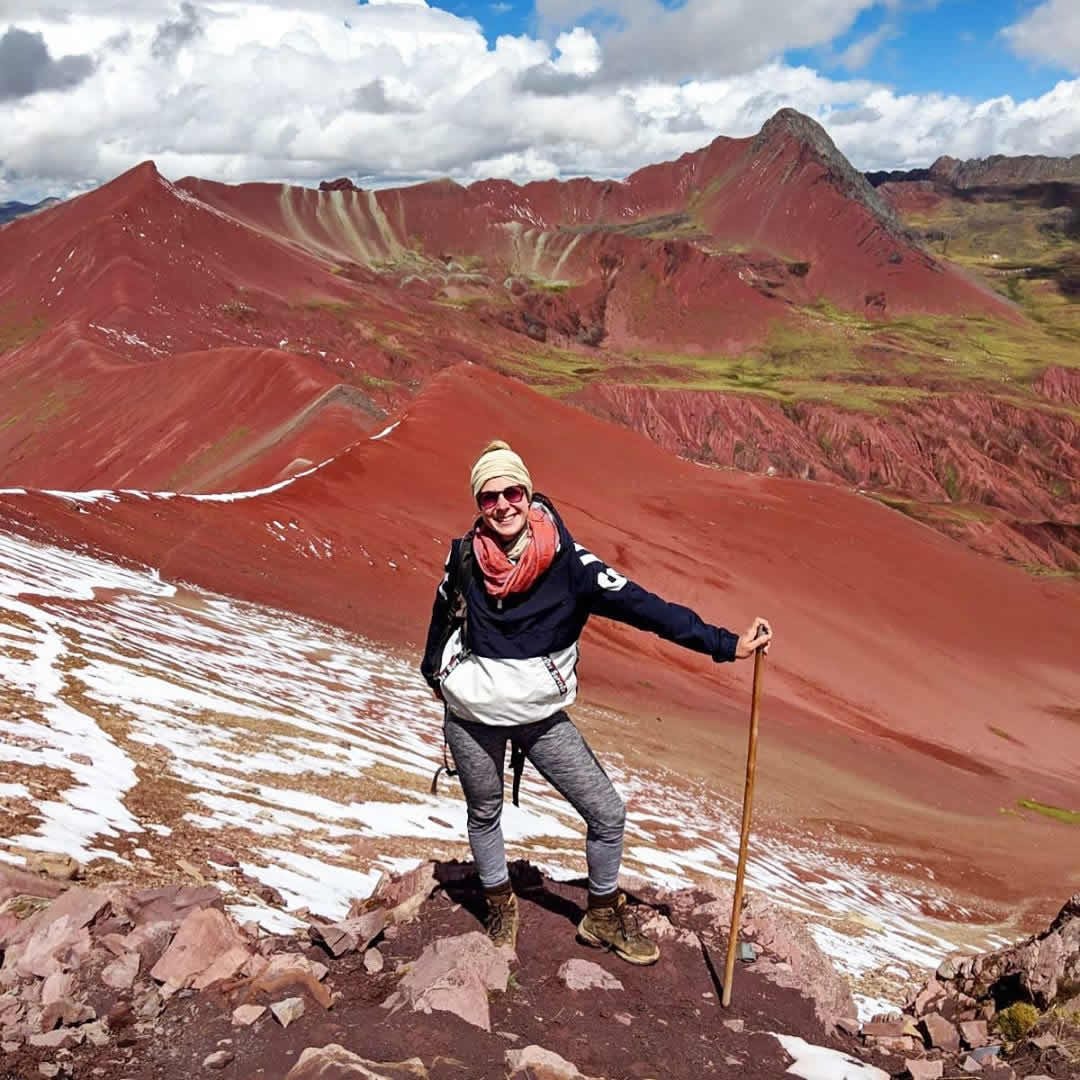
column 489, row 499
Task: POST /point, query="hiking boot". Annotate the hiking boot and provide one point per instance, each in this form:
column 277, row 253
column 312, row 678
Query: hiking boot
column 614, row 926
column 502, row 919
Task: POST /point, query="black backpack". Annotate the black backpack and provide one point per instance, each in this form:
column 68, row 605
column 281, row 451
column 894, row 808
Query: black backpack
column 461, row 569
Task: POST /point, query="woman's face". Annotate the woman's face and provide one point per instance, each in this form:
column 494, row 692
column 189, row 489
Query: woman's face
column 504, row 517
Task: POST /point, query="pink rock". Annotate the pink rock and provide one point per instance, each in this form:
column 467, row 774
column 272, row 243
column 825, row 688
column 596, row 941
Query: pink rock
column 455, row 975
column 349, row 935
column 932, row 992
column 65, row 1013
column 401, row 897
column 580, row 974
column 246, row 1015
column 334, row 1062
column 974, row 1033
column 122, row 972
column 534, row 1062
column 204, row 936
column 224, row 967
column 60, row 945
column 921, row 1069
column 56, row 987
column 174, row 903
column 282, row 963
column 373, row 961
column 150, row 940
column 15, row 882
column 78, row 906
column 11, row 1009
column 940, row 1033
column 61, row 1038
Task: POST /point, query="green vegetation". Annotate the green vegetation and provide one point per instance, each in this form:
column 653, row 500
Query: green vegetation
column 1069, row 817
column 1002, row 734
column 1016, row 1021
column 16, row 333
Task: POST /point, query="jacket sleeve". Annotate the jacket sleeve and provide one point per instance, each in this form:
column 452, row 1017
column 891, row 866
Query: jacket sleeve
column 607, row 593
column 438, row 628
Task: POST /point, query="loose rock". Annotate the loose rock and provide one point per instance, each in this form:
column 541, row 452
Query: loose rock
column 288, row 1010
column 578, row 974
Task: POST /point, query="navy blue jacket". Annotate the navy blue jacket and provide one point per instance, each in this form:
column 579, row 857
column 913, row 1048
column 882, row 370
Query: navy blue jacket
column 514, row 661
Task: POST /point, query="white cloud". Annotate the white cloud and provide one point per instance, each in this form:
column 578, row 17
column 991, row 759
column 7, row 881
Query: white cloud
column 304, row 90
column 861, row 51
column 1050, row 33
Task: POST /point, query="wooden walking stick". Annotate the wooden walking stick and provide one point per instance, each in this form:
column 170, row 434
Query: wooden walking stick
column 744, row 837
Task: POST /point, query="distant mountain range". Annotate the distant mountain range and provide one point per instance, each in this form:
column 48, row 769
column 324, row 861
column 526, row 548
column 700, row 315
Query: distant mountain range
column 995, row 171
column 11, row 210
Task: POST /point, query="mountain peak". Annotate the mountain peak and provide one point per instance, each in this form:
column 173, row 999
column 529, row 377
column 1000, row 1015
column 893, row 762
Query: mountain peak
column 791, row 126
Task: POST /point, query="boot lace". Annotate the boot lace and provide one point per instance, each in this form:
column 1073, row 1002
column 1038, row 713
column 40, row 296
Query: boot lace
column 629, row 920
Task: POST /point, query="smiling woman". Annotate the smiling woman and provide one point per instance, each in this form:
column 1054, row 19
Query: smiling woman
column 502, row 654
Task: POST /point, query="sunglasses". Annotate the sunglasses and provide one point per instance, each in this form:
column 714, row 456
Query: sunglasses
column 487, row 500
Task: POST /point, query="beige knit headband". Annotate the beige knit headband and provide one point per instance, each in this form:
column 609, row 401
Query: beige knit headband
column 498, row 459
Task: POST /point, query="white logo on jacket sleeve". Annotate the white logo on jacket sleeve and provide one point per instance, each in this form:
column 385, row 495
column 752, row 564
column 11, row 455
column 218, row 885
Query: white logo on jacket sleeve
column 610, row 579
column 606, row 578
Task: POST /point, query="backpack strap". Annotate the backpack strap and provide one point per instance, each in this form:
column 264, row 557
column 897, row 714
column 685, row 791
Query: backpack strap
column 517, row 766
column 461, row 560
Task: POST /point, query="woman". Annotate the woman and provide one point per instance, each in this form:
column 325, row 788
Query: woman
column 503, row 657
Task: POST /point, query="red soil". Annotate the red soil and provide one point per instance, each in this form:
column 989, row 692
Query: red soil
column 924, row 667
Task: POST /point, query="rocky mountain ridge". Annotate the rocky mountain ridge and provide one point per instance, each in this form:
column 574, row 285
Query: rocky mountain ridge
column 163, row 983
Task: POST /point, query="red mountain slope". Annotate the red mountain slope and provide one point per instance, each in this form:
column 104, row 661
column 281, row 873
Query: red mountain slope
column 926, row 668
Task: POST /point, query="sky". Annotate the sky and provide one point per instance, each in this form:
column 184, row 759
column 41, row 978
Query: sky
column 395, row 91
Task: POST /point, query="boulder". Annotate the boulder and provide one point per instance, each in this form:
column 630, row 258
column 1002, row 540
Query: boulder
column 60, row 945
column 536, row 1063
column 170, row 904
column 57, row 987
column 15, row 882
column 974, row 1033
column 455, row 975
column 349, row 935
column 203, row 938
column 578, row 974
column 218, row 1060
column 1040, row 969
column 122, row 972
column 78, row 907
column 940, row 1033
column 401, row 897
column 334, row 1062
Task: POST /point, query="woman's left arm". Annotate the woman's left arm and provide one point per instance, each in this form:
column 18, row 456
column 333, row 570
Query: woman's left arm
column 610, row 594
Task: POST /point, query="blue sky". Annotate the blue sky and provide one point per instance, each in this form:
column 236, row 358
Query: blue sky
column 951, row 47
column 926, row 46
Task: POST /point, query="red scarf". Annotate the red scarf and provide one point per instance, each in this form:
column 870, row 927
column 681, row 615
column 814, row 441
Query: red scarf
column 503, row 577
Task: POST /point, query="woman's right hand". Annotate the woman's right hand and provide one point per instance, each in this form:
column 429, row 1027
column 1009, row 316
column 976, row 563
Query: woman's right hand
column 757, row 637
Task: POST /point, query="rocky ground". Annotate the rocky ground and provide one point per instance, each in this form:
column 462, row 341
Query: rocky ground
column 115, row 982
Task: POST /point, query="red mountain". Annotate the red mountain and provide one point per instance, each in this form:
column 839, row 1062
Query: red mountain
column 754, row 303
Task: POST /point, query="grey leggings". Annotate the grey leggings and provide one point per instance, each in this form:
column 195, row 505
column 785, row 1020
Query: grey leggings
column 564, row 759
